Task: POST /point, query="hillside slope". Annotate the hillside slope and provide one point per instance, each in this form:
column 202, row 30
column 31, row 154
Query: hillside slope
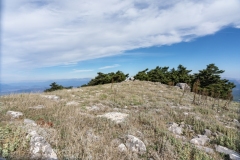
column 144, row 120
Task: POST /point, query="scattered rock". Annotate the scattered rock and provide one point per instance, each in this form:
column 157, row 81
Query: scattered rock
column 115, row 116
column 38, row 107
column 232, row 154
column 200, row 140
column 29, row 122
column 53, row 97
column 205, row 149
column 72, row 103
column 207, row 132
column 183, row 86
column 235, row 121
column 135, row 145
column 175, row 129
column 14, row 114
column 122, row 148
column 185, row 113
column 40, row 148
column 93, row 108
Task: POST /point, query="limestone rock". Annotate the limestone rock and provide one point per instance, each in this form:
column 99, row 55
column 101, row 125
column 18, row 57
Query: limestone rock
column 53, row 97
column 122, row 148
column 135, row 145
column 205, row 149
column 183, row 86
column 93, row 108
column 40, row 148
column 29, row 122
column 115, row 116
column 73, row 103
column 207, row 132
column 175, row 129
column 14, row 114
column 232, row 154
column 200, row 140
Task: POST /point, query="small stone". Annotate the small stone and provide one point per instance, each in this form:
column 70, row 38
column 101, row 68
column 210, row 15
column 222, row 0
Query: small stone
column 38, row 107
column 73, row 103
column 122, row 148
column 200, row 140
column 29, row 122
column 115, row 116
column 14, row 114
column 235, row 121
column 175, row 129
column 135, row 145
column 93, row 108
column 207, row 132
column 206, row 149
column 53, row 97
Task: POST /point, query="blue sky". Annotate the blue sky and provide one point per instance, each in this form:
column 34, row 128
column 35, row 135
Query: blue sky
column 58, row 39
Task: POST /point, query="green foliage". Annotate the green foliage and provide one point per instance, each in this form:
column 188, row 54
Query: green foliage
column 11, row 139
column 142, row 75
column 163, row 75
column 107, row 78
column 210, row 79
column 55, row 86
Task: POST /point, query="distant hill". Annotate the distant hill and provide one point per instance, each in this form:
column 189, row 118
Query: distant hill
column 34, row 87
column 236, row 90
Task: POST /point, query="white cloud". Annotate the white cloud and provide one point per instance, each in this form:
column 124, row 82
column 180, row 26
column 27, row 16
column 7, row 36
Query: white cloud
column 45, row 33
column 113, row 66
column 79, row 71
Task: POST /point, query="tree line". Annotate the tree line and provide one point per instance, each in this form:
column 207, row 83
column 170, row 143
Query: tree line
column 207, row 81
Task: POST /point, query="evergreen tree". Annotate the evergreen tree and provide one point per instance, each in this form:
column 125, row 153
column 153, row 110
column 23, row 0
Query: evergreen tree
column 159, row 74
column 102, row 78
column 210, row 79
column 183, row 74
column 142, row 75
column 54, row 86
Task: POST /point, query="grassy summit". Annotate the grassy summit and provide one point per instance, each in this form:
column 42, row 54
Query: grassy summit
column 75, row 130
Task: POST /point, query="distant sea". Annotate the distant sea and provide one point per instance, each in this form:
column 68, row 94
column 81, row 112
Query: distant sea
column 39, row 87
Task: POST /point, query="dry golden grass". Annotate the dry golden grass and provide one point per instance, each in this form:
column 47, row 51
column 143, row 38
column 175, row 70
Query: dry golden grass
column 80, row 134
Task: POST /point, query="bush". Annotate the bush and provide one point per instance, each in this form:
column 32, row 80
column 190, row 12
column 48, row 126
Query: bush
column 55, row 86
column 107, row 78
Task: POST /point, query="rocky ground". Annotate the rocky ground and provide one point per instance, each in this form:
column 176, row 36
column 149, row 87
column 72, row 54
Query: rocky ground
column 128, row 120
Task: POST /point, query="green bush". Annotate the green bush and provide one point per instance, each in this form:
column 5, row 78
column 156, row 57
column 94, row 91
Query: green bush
column 55, row 86
column 112, row 77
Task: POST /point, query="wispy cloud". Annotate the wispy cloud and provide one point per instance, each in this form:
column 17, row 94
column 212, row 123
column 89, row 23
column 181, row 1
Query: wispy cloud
column 79, row 71
column 52, row 33
column 113, row 66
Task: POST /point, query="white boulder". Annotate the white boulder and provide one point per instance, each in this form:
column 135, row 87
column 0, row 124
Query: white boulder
column 115, row 116
column 40, row 148
column 14, row 114
column 135, row 145
column 200, row 140
column 183, row 86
